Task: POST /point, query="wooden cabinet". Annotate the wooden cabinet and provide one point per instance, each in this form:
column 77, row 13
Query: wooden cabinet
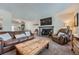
column 75, row 45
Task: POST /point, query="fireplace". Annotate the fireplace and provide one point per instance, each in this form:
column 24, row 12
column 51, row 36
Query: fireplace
column 44, row 30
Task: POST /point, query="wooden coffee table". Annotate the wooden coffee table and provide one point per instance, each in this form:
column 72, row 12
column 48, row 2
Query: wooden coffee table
column 32, row 47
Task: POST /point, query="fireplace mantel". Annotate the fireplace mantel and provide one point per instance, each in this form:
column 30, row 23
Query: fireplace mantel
column 41, row 28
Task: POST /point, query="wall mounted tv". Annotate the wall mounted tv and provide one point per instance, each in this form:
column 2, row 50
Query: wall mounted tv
column 46, row 21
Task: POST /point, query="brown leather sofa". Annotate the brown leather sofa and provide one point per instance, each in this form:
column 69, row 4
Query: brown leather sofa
column 61, row 40
column 8, row 45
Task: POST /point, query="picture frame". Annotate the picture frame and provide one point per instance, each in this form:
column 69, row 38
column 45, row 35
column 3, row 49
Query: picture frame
column 76, row 21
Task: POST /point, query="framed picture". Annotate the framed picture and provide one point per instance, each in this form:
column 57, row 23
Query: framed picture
column 76, row 21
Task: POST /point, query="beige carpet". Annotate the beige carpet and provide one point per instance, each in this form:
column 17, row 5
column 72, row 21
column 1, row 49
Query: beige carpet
column 54, row 49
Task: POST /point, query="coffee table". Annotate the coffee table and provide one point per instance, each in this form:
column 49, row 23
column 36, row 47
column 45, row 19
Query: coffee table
column 32, row 47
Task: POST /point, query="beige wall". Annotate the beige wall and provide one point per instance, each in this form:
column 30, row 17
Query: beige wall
column 66, row 19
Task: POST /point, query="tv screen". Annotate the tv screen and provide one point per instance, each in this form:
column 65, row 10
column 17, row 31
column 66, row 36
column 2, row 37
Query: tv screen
column 46, row 21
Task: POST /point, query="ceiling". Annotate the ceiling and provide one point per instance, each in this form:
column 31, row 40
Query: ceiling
column 35, row 11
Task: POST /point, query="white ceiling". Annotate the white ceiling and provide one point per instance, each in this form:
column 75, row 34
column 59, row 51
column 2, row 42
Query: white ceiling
column 35, row 11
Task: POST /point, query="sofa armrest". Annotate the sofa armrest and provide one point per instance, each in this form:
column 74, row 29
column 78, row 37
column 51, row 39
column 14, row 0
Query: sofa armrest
column 1, row 42
column 55, row 37
column 1, row 46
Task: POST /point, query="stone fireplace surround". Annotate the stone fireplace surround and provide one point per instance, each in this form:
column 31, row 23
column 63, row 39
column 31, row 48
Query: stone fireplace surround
column 42, row 30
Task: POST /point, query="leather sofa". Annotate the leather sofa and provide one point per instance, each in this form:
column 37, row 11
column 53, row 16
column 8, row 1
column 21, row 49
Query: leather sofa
column 62, row 39
column 8, row 45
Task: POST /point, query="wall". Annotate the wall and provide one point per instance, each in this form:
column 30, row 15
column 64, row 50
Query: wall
column 16, row 26
column 64, row 20
column 77, row 32
column 7, row 20
column 57, row 23
column 30, row 25
column 77, row 28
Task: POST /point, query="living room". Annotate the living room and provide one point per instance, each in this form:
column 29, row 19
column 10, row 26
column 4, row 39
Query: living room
column 55, row 24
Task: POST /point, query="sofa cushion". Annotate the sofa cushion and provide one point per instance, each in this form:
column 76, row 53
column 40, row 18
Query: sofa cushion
column 20, row 36
column 5, row 36
column 61, row 34
column 22, row 39
column 11, row 42
column 28, row 33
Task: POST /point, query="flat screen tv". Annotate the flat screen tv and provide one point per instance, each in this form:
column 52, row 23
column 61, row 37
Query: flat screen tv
column 46, row 21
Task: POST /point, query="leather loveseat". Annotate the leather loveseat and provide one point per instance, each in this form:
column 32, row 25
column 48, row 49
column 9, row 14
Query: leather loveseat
column 63, row 39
